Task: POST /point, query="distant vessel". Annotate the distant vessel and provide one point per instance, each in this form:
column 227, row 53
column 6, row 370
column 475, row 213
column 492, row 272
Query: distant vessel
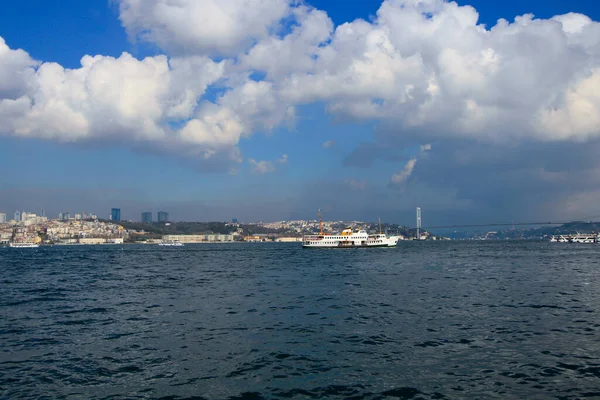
column 171, row 243
column 23, row 245
column 577, row 238
column 348, row 238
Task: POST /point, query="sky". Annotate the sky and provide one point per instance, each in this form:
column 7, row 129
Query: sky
column 266, row 110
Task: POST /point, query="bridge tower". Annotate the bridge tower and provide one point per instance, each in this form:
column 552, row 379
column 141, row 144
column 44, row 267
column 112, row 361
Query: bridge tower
column 418, row 223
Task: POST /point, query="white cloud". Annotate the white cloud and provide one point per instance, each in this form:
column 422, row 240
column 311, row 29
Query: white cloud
column 328, row 144
column 221, row 27
column 425, row 147
column 16, row 71
column 424, row 67
column 261, row 167
column 403, row 175
column 427, row 65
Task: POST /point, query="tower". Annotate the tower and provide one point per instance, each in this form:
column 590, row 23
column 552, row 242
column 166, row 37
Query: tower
column 115, row 214
column 418, row 223
column 147, row 217
column 163, row 216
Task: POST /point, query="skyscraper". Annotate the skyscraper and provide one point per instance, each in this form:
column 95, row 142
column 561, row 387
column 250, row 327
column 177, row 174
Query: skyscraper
column 146, row 217
column 2, row 218
column 163, row 216
column 115, row 214
column 17, row 216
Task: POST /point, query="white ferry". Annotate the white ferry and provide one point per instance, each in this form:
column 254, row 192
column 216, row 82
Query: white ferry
column 171, row 243
column 348, row 238
column 23, row 245
column 576, row 238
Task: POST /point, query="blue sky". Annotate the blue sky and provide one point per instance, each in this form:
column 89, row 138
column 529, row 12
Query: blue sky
column 365, row 172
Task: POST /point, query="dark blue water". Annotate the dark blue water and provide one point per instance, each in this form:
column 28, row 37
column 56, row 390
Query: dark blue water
column 427, row 320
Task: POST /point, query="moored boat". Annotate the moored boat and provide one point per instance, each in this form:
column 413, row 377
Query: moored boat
column 171, row 243
column 23, row 245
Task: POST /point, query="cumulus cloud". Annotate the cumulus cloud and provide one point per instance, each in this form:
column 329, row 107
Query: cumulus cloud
column 424, row 67
column 220, row 27
column 428, row 66
column 119, row 99
column 425, row 147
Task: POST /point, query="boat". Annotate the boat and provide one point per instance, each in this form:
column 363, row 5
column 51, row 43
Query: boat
column 560, row 239
column 171, row 243
column 23, row 245
column 348, row 238
column 583, row 238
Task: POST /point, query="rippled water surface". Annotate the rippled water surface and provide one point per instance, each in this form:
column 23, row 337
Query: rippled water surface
column 426, row 320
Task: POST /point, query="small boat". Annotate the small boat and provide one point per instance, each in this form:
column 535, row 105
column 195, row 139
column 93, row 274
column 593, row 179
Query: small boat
column 23, row 245
column 171, row 243
column 560, row 239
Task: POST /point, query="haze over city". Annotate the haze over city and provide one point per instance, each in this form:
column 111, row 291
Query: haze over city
column 474, row 111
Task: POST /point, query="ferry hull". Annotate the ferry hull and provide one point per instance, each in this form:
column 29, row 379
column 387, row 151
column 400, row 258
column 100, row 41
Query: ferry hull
column 327, row 243
column 360, row 246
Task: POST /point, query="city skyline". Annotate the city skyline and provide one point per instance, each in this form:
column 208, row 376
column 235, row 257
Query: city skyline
column 473, row 111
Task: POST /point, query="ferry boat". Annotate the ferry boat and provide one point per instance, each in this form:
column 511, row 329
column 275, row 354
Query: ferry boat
column 171, row 243
column 23, row 245
column 576, row 238
column 348, row 238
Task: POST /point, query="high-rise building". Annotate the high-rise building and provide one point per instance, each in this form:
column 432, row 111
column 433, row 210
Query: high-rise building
column 146, row 217
column 163, row 216
column 17, row 216
column 115, row 214
column 2, row 218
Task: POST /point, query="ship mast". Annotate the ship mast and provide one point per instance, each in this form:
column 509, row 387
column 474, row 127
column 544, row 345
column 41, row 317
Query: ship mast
column 380, row 232
column 320, row 222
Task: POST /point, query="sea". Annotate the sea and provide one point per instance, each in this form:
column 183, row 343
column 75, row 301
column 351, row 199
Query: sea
column 424, row 320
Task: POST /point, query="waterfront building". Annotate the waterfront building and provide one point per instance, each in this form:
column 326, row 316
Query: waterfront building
column 147, row 217
column 92, row 240
column 198, row 238
column 2, row 218
column 115, row 214
column 163, row 216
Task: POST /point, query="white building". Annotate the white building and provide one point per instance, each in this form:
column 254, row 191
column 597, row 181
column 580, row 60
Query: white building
column 200, row 238
column 2, row 218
